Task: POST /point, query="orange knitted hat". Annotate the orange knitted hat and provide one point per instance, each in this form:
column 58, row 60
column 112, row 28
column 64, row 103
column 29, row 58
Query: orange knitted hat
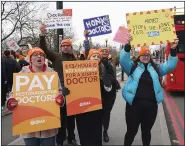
column 144, row 50
column 66, row 41
column 33, row 50
column 104, row 49
column 93, row 51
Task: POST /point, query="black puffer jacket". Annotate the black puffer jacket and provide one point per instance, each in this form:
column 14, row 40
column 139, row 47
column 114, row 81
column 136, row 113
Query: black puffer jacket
column 11, row 66
column 23, row 62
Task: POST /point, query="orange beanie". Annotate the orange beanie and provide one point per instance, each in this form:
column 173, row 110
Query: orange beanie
column 104, row 49
column 144, row 50
column 93, row 51
column 66, row 41
column 33, row 50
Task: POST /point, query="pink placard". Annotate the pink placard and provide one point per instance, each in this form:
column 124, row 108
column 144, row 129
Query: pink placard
column 121, row 35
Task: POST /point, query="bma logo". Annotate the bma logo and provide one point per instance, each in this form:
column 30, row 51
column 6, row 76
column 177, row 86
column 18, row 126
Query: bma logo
column 36, row 122
column 85, row 103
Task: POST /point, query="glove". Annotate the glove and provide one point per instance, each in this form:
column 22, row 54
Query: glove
column 107, row 80
column 65, row 91
column 12, row 103
column 60, row 100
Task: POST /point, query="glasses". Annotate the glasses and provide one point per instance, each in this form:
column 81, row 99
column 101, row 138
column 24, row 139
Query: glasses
column 65, row 45
column 38, row 54
column 145, row 55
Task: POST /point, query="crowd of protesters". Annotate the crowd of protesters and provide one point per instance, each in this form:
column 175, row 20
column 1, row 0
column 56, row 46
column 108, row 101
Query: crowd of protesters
column 11, row 62
column 142, row 90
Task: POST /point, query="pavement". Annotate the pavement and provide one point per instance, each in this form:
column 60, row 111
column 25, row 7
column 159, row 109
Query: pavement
column 5, row 112
column 117, row 129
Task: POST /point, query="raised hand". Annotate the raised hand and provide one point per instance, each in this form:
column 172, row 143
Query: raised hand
column 129, row 38
column 43, row 28
column 174, row 44
column 86, row 32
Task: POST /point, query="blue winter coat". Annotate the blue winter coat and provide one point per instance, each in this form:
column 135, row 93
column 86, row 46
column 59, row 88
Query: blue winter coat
column 130, row 87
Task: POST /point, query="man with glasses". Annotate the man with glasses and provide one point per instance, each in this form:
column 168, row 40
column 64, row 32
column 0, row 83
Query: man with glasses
column 57, row 62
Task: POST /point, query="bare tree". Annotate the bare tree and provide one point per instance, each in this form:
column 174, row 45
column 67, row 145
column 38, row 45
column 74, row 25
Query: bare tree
column 20, row 21
column 51, row 38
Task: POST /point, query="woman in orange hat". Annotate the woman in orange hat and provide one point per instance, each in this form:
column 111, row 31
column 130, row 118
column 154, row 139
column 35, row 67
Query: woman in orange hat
column 37, row 64
column 90, row 124
column 142, row 90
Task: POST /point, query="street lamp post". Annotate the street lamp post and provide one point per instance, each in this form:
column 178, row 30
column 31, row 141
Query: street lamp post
column 122, row 72
column 59, row 31
column 106, row 40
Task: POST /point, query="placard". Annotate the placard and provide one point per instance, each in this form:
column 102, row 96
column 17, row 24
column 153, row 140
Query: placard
column 98, row 25
column 37, row 109
column 82, row 79
column 121, row 35
column 151, row 27
column 12, row 45
column 57, row 19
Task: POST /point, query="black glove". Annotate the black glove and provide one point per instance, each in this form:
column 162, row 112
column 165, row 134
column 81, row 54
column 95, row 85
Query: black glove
column 65, row 91
column 107, row 80
column 127, row 48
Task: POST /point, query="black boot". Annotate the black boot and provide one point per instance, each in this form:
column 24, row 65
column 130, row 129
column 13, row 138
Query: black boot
column 105, row 136
column 61, row 144
column 74, row 142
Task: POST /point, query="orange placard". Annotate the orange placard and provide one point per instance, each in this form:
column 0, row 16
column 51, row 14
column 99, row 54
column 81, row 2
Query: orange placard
column 37, row 109
column 82, row 79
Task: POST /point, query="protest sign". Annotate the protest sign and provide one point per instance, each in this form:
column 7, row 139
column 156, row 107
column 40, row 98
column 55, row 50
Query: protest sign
column 57, row 18
column 151, row 27
column 82, row 79
column 37, row 109
column 121, row 35
column 98, row 25
column 12, row 45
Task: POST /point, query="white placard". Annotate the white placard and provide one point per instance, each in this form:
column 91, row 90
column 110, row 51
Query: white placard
column 57, row 18
column 12, row 45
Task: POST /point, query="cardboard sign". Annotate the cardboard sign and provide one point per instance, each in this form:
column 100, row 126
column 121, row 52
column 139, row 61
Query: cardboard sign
column 82, row 79
column 151, row 27
column 121, row 35
column 12, row 45
column 98, row 25
column 37, row 109
column 57, row 19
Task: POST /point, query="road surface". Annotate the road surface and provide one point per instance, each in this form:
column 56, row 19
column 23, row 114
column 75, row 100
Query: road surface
column 174, row 111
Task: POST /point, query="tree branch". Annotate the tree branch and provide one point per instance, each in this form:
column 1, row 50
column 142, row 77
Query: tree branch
column 24, row 21
column 3, row 4
column 10, row 32
column 12, row 11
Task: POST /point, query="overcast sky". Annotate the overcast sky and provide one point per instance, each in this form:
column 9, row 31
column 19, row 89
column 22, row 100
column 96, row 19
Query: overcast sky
column 116, row 11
